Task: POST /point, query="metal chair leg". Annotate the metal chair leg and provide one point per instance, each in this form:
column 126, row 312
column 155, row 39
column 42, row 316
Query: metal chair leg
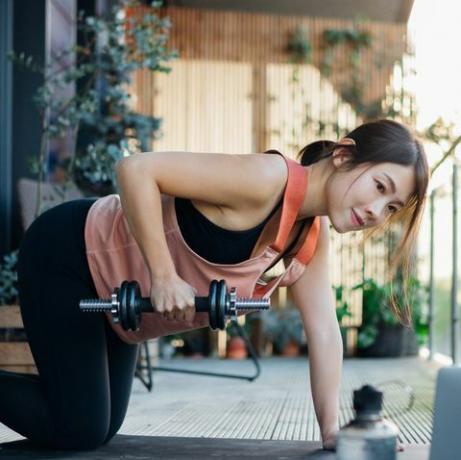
column 144, row 368
column 149, row 368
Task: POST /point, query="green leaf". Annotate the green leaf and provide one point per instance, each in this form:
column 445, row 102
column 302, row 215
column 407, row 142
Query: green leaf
column 9, row 278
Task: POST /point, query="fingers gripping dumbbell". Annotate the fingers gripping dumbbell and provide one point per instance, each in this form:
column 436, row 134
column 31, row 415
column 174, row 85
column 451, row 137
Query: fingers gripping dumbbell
column 126, row 305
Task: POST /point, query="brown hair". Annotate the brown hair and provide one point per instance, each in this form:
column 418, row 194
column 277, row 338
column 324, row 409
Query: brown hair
column 378, row 142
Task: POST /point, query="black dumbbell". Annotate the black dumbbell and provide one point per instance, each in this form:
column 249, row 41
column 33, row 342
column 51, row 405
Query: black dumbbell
column 127, row 305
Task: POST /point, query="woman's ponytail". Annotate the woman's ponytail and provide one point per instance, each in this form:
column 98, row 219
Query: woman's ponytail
column 315, row 151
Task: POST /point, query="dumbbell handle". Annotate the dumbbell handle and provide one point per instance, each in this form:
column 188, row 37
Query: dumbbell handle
column 145, row 305
column 201, row 304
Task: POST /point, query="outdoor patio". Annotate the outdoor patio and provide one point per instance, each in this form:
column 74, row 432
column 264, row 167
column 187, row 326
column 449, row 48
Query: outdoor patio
column 276, row 406
column 85, row 84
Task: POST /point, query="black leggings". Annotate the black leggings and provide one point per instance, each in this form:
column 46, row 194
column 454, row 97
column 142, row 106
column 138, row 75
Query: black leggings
column 80, row 398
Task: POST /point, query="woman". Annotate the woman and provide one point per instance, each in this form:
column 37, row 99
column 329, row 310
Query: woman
column 180, row 220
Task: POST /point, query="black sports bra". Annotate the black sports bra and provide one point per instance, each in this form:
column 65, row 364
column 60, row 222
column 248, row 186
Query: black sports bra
column 213, row 243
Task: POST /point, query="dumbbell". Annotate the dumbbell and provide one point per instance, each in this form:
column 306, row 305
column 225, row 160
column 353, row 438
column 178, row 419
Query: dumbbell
column 127, row 305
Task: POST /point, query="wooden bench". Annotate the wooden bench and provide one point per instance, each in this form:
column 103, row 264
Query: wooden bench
column 15, row 355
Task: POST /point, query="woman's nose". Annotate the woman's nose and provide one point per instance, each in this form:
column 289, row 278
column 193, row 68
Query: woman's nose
column 375, row 211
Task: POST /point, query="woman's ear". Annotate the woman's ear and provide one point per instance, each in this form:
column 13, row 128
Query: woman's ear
column 341, row 152
column 345, row 141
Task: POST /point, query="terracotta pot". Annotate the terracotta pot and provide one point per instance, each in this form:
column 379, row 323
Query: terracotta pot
column 236, row 348
column 290, row 349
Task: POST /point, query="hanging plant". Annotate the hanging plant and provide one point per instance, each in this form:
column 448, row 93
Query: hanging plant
column 299, row 46
column 299, row 49
column 9, row 278
column 354, row 38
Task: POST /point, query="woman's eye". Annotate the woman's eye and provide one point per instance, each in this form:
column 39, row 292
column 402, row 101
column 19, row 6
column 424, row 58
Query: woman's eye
column 392, row 209
column 378, row 184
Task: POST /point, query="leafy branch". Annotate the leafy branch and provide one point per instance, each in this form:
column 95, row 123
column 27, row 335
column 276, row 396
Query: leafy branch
column 98, row 114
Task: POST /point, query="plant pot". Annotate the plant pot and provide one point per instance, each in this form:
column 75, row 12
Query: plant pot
column 291, row 349
column 392, row 341
column 15, row 354
column 236, row 348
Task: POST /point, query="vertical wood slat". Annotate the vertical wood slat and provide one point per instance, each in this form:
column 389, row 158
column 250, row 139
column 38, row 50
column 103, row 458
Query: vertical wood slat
column 10, row 316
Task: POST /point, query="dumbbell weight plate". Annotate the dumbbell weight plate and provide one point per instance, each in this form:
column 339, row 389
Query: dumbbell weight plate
column 221, row 307
column 133, row 294
column 123, row 305
column 212, row 300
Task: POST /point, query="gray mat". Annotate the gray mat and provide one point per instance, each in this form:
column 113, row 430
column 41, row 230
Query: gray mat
column 151, row 447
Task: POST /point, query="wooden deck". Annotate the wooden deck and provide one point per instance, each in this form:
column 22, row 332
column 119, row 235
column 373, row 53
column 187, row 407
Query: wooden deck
column 277, row 406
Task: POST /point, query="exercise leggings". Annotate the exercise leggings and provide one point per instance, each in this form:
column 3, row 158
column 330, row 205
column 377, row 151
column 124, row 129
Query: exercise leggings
column 80, row 397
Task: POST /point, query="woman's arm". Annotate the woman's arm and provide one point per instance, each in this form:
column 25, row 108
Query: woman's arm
column 240, row 182
column 313, row 295
column 141, row 204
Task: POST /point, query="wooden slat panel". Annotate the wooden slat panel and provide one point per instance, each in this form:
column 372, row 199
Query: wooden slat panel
column 206, row 106
column 24, row 369
column 15, row 356
column 15, row 353
column 10, row 316
column 251, row 37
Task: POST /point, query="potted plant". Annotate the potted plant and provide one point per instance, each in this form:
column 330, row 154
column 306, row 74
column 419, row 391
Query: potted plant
column 284, row 328
column 381, row 334
column 236, row 347
column 15, row 354
column 9, row 279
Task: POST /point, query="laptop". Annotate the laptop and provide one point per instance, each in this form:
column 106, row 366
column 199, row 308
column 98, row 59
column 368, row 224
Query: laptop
column 446, row 431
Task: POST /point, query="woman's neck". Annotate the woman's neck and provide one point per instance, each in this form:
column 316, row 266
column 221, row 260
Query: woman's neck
column 315, row 199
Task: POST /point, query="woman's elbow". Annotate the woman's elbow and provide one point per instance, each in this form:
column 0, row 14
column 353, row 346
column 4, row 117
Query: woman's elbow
column 326, row 338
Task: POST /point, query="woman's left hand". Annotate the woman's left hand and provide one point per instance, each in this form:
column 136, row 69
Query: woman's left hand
column 329, row 441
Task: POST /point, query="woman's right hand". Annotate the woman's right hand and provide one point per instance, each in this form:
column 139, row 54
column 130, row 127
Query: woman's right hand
column 173, row 297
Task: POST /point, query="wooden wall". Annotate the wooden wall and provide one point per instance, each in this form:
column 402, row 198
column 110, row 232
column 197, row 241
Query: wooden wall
column 261, row 39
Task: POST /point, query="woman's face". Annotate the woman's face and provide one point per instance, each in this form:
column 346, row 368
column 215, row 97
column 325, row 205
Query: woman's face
column 366, row 197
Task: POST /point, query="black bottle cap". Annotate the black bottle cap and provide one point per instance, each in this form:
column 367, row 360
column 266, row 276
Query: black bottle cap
column 368, row 399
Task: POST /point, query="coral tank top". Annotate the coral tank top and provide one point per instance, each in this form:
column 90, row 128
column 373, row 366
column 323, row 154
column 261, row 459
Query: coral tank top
column 114, row 256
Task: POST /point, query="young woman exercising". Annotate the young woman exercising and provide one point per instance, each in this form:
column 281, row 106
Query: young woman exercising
column 179, row 221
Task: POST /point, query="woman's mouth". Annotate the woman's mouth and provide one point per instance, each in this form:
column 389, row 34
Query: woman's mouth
column 356, row 221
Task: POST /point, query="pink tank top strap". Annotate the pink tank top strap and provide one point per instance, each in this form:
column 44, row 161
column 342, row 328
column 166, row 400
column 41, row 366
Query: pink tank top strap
column 307, row 250
column 294, row 194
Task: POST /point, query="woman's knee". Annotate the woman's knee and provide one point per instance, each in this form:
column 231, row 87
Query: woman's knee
column 110, row 435
column 79, row 444
column 87, row 437
column 114, row 427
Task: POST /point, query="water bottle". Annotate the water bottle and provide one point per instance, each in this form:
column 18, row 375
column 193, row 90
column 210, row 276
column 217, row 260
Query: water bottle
column 367, row 436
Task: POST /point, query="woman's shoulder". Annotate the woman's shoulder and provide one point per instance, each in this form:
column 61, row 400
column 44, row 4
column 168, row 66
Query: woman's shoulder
column 228, row 180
